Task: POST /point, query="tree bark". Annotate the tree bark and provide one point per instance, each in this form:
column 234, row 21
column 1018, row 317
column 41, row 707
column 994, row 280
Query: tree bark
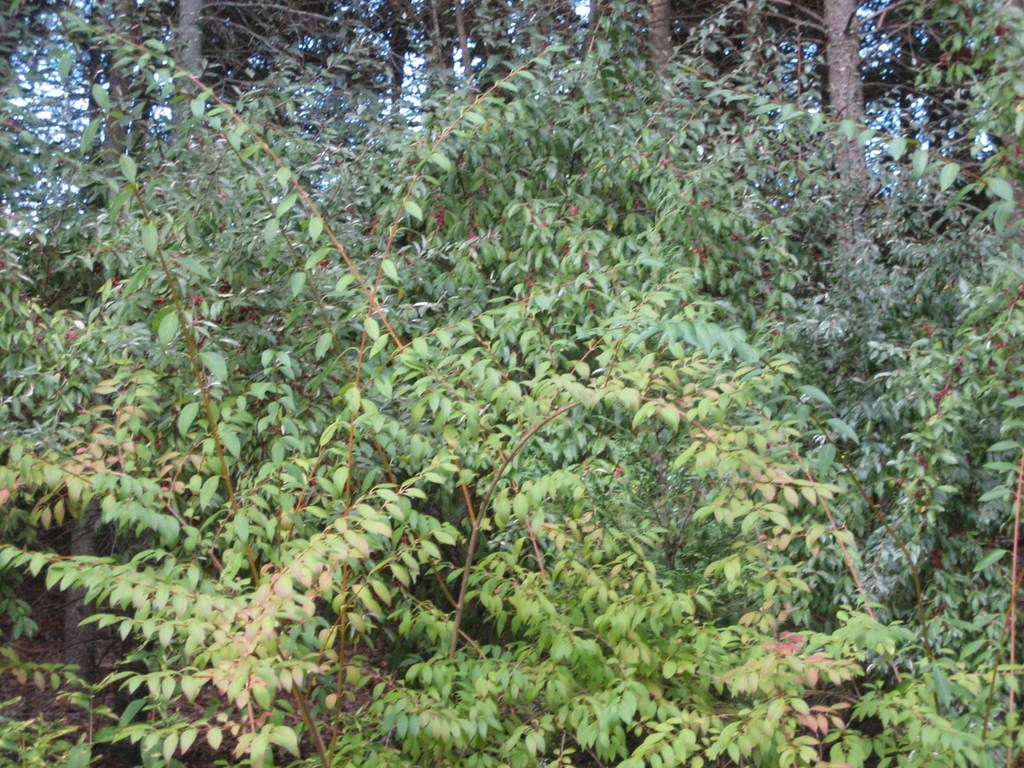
column 845, row 88
column 436, row 40
column 398, row 47
column 188, row 39
column 460, row 27
column 80, row 641
column 190, row 36
column 659, row 31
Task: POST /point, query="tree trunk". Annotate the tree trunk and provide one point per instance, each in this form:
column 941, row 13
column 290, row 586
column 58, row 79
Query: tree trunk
column 398, row 47
column 188, row 44
column 436, row 40
column 460, row 27
column 190, row 36
column 846, row 102
column 659, row 31
column 80, row 641
column 845, row 89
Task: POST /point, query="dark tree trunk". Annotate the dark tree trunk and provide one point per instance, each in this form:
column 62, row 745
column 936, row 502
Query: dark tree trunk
column 460, row 27
column 80, row 641
column 659, row 31
column 846, row 102
column 440, row 61
column 845, row 88
column 190, row 36
column 398, row 47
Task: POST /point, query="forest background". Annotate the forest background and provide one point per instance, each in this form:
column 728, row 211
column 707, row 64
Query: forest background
column 483, row 383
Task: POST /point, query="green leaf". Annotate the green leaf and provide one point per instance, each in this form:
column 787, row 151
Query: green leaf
column 128, row 167
column 989, row 560
column 814, row 393
column 285, row 737
column 270, row 230
column 441, row 161
column 208, row 490
column 283, row 177
column 286, row 205
column 388, row 268
column 170, row 744
column 1002, row 211
column 371, row 328
column 1000, row 187
column 948, row 175
column 323, row 343
column 843, row 430
column 100, row 96
column 919, row 163
column 414, row 210
column 897, row 147
column 263, row 695
column 187, row 739
column 731, row 568
column 259, row 750
column 79, row 756
column 66, row 62
column 231, row 442
column 848, row 128
column 168, row 325
column 149, row 238
column 89, row 135
column 214, row 737
column 366, row 597
column 215, row 364
column 1004, row 445
column 316, row 228
column 296, row 283
column 186, row 417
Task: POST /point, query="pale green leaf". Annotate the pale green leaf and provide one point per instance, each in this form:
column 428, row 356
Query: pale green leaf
column 323, row 343
column 919, row 163
column 414, row 210
column 1000, row 187
column 215, row 364
column 371, row 328
column 948, row 175
column 149, row 238
column 168, row 325
column 128, row 168
column 286, row 204
column 208, row 490
column 388, row 268
column 214, row 737
column 441, row 161
column 316, row 228
column 186, row 417
column 285, row 737
column 100, row 96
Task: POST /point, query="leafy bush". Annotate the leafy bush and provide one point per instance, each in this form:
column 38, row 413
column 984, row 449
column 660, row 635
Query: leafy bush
column 518, row 434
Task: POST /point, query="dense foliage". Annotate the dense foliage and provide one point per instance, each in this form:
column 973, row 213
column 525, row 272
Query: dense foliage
column 552, row 417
